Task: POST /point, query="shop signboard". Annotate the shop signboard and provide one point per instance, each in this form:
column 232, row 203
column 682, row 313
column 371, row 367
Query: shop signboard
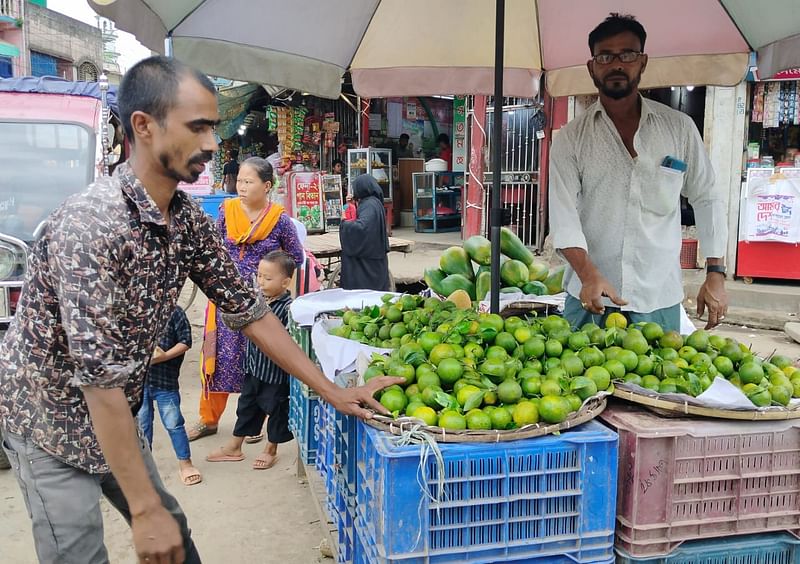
column 459, row 133
column 773, row 205
column 306, row 197
column 203, row 186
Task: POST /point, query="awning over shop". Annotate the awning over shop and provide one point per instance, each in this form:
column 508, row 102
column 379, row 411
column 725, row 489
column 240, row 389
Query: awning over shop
column 8, row 50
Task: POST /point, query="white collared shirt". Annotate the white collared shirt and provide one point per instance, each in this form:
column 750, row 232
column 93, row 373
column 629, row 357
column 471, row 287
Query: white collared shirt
column 625, row 211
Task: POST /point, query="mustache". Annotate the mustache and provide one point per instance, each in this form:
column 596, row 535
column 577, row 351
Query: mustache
column 202, row 158
column 616, row 75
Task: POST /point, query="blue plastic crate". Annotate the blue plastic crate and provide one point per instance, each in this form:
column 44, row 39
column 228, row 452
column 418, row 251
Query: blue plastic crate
column 550, row 499
column 776, row 548
column 303, row 413
column 345, row 518
column 212, row 202
column 346, row 444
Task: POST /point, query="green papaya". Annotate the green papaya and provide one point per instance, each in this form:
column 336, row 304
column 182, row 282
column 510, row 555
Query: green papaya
column 454, row 260
column 458, row 282
column 483, row 268
column 509, row 290
column 538, row 271
column 535, row 288
column 514, row 273
column 479, row 249
column 555, row 281
column 483, row 283
column 433, row 278
column 513, row 247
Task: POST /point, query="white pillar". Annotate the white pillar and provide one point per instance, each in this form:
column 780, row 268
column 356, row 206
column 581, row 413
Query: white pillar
column 724, row 133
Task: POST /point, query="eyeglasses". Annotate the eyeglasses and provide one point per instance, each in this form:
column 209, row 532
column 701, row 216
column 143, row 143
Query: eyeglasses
column 624, row 57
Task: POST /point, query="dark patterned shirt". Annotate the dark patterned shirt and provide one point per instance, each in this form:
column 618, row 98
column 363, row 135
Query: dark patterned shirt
column 257, row 364
column 103, row 280
column 164, row 375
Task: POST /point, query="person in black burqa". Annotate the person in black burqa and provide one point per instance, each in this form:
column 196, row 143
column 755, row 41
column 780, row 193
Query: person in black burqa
column 365, row 264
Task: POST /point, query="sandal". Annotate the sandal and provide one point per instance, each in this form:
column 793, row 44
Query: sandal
column 191, row 476
column 254, row 439
column 219, row 455
column 262, row 463
column 200, row 430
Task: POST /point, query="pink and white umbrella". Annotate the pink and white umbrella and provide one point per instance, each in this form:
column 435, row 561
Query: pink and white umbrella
column 429, row 47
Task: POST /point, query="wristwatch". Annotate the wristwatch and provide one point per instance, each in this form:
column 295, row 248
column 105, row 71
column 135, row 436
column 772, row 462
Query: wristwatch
column 715, row 268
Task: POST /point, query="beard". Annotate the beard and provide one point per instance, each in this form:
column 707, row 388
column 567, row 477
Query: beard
column 190, row 176
column 617, row 86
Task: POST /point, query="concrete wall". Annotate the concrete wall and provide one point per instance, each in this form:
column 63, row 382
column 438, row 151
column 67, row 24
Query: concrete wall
column 63, row 37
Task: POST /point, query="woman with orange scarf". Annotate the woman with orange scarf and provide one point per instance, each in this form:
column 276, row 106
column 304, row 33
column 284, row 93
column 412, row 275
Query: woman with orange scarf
column 251, row 226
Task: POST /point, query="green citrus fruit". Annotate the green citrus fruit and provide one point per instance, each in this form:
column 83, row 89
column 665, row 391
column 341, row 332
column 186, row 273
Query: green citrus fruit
column 452, row 421
column 509, row 391
column 501, row 418
column 615, row 368
column 525, row 413
column 550, row 388
column 612, row 352
column 465, row 393
column 632, row 378
column 553, row 348
column 700, row 340
column 781, row 394
column 449, row 370
column 751, row 373
column 671, row 340
column 531, row 386
column 574, row 402
column 534, row 347
column 412, row 390
column 553, row 323
column 427, row 414
column 634, row 341
column 473, row 350
column 394, row 400
column 394, row 314
column 652, row 331
column 644, row 366
column 578, row 341
column 616, row 319
column 781, row 361
column 686, row 352
column 413, row 405
column 506, row 340
column 592, row 356
column 732, row 350
column 759, row 396
column 478, row 420
column 440, row 352
column 573, row 365
column 496, row 352
column 668, row 354
column 429, row 396
column 650, row 382
column 667, row 386
column 583, row 387
column 600, row 376
column 629, row 359
column 373, row 372
column 553, row 409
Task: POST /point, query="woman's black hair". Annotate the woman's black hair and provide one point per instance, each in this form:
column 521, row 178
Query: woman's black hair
column 261, row 166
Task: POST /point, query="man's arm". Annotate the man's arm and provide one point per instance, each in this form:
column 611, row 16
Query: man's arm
column 84, row 265
column 156, row 535
column 173, row 352
column 566, row 228
column 709, row 202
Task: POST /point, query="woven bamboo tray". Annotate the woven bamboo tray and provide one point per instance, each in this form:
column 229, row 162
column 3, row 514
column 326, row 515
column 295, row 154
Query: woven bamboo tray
column 669, row 407
column 591, row 408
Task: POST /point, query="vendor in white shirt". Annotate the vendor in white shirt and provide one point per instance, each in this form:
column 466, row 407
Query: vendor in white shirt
column 616, row 176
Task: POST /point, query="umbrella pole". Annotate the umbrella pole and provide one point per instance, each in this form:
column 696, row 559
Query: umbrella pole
column 168, row 45
column 496, row 214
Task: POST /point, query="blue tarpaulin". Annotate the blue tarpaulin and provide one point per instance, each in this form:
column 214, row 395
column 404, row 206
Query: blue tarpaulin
column 54, row 85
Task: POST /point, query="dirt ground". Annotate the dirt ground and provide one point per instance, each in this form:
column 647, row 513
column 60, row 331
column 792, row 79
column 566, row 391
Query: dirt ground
column 236, row 514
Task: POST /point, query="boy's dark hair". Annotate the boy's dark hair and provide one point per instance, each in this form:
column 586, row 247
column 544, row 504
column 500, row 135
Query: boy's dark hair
column 151, row 86
column 404, row 136
column 615, row 24
column 443, row 138
column 284, row 260
column 234, row 154
column 337, row 161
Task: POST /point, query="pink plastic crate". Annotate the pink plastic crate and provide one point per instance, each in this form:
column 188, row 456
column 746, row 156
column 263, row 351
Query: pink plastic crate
column 683, row 479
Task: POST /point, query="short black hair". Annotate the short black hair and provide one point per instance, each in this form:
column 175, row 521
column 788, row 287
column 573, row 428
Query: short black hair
column 284, row 260
column 615, row 24
column 404, row 136
column 337, row 161
column 151, row 86
column 443, row 138
column 234, row 154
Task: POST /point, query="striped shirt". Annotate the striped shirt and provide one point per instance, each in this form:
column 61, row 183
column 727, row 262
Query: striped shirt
column 257, row 364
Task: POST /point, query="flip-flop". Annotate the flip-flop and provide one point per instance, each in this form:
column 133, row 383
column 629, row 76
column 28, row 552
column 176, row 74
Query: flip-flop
column 219, row 456
column 200, row 430
column 254, row 439
column 264, row 466
column 189, row 473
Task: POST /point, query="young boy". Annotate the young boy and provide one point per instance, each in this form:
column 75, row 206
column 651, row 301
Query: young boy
column 265, row 390
column 161, row 386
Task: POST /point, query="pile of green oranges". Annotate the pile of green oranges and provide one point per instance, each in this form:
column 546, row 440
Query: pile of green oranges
column 470, row 370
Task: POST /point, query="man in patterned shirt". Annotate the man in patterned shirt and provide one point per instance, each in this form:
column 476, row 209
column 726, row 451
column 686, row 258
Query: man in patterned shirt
column 103, row 279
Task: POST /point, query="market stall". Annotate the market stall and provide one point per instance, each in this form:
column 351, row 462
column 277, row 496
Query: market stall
column 769, row 225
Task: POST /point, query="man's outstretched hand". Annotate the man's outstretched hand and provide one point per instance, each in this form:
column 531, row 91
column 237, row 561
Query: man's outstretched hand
column 359, row 401
column 712, row 295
